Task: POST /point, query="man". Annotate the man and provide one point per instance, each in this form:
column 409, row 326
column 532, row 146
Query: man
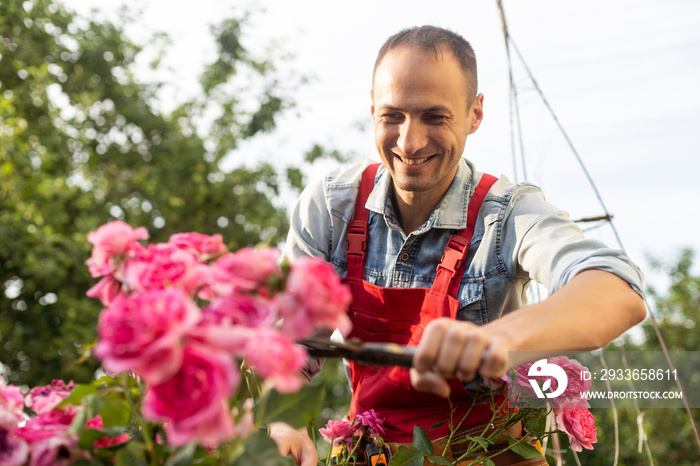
column 386, row 228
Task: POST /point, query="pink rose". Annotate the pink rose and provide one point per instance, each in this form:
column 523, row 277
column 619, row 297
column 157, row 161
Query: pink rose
column 109, row 241
column 11, row 404
column 232, row 339
column 46, row 398
column 45, row 425
column 57, row 450
column 245, row 270
column 160, row 266
column 143, row 333
column 373, row 420
column 338, row 432
column 521, row 387
column 578, row 423
column 233, row 310
column 48, row 440
column 228, row 322
column 571, row 398
column 198, row 244
column 105, row 290
column 13, row 450
column 314, row 298
column 278, row 359
column 104, row 442
column 194, row 400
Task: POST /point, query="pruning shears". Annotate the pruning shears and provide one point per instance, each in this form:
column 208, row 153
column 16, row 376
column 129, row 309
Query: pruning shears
column 378, row 354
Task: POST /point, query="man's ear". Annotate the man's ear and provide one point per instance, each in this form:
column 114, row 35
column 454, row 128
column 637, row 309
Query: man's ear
column 476, row 113
column 371, row 99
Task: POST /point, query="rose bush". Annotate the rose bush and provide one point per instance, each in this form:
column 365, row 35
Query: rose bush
column 189, row 335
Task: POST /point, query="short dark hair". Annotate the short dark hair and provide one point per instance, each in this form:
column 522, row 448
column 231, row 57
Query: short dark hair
column 432, row 38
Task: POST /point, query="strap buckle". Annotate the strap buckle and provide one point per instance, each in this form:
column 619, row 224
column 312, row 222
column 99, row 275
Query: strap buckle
column 357, row 237
column 454, row 254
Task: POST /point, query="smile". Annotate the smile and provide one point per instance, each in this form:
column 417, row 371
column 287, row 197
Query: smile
column 414, row 161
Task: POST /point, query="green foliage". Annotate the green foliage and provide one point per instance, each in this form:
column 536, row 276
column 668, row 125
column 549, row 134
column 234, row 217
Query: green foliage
column 261, row 449
column 317, row 152
column 296, row 409
column 117, row 401
column 82, row 142
column 669, row 432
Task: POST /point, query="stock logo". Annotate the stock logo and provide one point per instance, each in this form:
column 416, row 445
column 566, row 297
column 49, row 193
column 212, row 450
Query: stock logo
column 542, row 368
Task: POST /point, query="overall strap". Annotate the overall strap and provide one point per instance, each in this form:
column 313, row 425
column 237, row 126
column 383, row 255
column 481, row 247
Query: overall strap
column 358, row 235
column 454, row 257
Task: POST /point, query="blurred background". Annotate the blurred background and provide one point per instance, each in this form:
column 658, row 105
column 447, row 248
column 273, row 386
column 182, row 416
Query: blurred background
column 210, row 116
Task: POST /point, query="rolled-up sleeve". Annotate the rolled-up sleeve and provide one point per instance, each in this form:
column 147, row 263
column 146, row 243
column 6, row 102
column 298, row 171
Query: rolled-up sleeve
column 310, row 222
column 552, row 249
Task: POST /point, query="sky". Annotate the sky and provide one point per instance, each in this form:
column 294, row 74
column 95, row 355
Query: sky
column 620, row 76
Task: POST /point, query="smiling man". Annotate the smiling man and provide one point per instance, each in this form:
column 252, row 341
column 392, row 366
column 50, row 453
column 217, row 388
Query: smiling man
column 439, row 255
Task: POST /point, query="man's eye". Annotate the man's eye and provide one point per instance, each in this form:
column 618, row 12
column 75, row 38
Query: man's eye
column 393, row 117
column 435, row 118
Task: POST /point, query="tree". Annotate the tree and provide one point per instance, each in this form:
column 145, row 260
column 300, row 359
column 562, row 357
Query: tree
column 82, row 143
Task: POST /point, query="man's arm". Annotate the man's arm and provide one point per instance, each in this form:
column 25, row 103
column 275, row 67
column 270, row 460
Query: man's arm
column 587, row 313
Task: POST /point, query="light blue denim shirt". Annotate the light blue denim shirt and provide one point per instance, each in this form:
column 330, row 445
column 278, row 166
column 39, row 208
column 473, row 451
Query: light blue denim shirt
column 519, row 237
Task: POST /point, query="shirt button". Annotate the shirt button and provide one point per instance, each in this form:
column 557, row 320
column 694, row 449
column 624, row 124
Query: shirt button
column 405, row 256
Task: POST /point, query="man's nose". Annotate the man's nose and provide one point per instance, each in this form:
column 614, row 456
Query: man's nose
column 413, row 136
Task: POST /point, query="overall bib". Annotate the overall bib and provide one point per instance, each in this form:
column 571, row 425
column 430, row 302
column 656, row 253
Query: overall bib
column 399, row 315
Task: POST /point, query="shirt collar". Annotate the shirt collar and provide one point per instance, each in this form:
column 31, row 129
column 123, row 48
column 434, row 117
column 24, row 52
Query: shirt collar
column 451, row 212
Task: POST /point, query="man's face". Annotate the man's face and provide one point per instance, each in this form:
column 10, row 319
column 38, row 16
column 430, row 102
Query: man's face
column 422, row 116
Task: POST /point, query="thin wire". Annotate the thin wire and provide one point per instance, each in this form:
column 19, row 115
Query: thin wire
column 557, row 450
column 652, row 319
column 520, row 133
column 510, row 93
column 605, row 209
column 547, row 428
column 508, row 40
column 566, row 137
column 614, row 408
column 640, row 416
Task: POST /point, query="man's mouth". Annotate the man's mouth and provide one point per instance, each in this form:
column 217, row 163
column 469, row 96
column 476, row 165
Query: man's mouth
column 414, row 161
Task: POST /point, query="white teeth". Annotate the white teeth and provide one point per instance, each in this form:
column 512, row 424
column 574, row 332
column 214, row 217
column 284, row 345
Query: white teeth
column 414, row 161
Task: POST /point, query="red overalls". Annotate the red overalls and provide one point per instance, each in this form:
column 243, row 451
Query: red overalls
column 399, row 315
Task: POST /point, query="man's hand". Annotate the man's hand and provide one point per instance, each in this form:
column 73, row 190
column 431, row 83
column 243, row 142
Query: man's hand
column 450, row 348
column 587, row 313
column 295, row 443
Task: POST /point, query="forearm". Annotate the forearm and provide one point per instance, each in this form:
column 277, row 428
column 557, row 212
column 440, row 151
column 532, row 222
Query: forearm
column 587, row 313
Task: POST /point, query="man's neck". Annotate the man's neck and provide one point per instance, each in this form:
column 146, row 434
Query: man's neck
column 414, row 208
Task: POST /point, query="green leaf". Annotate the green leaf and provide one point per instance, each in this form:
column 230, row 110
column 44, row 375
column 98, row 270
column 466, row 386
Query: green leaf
column 78, row 422
column 438, row 424
column 261, row 449
column 421, row 441
column 407, row 457
column 524, row 449
column 133, row 455
column 439, row 460
column 483, row 442
column 88, row 437
column 93, row 404
column 296, row 409
column 115, row 412
column 183, row 456
column 77, row 395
